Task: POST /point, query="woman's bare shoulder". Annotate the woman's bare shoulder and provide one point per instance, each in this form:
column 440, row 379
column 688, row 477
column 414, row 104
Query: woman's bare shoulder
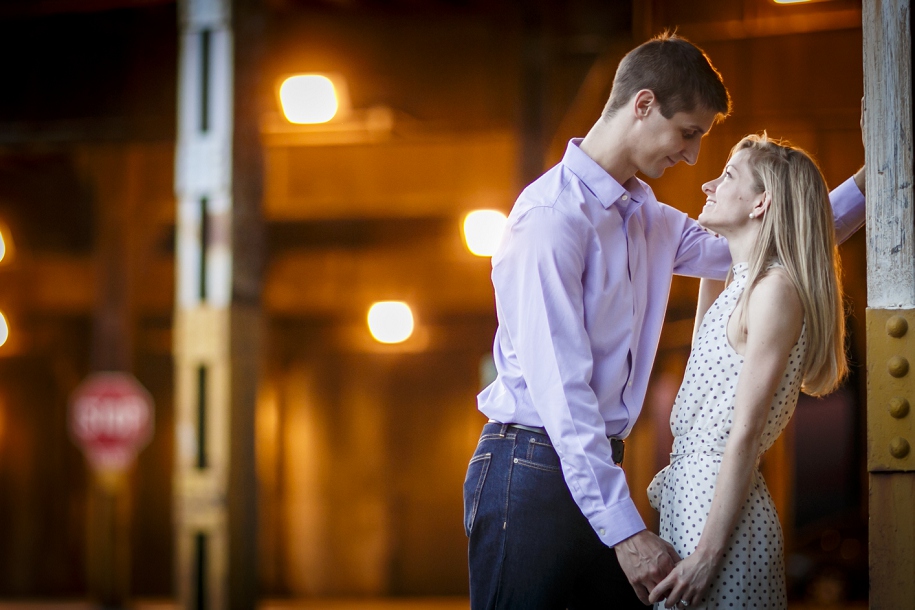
column 776, row 300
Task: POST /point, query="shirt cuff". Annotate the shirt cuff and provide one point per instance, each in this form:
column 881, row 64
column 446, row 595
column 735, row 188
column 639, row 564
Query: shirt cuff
column 848, row 208
column 618, row 522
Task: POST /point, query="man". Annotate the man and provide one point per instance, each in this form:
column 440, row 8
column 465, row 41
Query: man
column 582, row 280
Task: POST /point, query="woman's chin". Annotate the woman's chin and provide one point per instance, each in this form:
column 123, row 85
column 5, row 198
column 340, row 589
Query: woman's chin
column 711, row 228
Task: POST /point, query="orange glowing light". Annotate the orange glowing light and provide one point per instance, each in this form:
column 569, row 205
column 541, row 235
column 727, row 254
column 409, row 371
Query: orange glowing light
column 4, row 330
column 483, row 231
column 390, row 321
column 6, row 243
column 309, row 99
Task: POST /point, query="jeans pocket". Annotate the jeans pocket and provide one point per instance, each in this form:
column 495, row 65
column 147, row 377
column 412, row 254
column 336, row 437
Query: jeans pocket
column 473, row 488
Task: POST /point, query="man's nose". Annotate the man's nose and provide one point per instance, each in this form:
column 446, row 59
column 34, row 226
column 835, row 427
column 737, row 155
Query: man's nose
column 691, row 152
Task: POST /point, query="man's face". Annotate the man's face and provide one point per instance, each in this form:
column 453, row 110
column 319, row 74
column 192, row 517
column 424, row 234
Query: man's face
column 665, row 142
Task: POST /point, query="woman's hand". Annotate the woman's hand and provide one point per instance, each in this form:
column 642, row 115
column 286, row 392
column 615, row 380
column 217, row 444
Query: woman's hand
column 688, row 581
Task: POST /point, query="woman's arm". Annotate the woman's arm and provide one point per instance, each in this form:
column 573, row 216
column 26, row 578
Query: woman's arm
column 708, row 292
column 774, row 322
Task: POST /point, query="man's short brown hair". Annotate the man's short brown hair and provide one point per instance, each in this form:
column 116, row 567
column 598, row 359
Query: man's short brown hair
column 677, row 71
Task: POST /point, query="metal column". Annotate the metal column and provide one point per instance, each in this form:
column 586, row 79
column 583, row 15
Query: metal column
column 217, row 317
column 891, row 301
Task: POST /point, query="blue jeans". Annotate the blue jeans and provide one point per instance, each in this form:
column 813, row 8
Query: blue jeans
column 530, row 546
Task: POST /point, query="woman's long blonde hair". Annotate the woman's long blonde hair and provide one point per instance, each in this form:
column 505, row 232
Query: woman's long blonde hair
column 799, row 233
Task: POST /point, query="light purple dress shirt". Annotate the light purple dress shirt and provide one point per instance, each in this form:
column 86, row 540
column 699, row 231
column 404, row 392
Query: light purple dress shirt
column 582, row 279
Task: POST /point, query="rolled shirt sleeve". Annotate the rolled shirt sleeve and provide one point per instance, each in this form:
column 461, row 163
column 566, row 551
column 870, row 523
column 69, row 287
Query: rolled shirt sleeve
column 540, row 300
column 848, row 209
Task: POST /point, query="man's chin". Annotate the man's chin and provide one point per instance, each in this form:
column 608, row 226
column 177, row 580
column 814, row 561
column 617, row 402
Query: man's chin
column 652, row 172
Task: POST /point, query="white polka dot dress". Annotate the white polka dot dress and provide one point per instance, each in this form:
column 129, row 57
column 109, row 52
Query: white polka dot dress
column 752, row 573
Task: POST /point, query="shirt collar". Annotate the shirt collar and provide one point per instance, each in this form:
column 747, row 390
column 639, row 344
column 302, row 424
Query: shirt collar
column 604, row 187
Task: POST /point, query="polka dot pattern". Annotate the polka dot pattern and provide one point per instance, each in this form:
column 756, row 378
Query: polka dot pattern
column 753, row 572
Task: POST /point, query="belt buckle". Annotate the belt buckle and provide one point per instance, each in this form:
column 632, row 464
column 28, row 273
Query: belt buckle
column 617, row 449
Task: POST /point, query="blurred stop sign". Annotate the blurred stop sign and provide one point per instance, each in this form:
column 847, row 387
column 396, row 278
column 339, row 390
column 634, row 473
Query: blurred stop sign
column 111, row 419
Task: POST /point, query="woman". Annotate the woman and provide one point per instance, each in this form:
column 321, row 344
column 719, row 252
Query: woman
column 776, row 329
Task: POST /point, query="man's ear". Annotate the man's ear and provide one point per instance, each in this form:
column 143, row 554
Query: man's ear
column 644, row 102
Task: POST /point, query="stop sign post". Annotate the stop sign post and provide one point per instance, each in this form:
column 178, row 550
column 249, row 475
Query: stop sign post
column 111, row 419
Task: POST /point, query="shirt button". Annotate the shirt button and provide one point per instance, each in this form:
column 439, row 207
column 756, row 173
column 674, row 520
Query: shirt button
column 630, row 384
column 516, row 460
column 625, row 197
column 602, row 532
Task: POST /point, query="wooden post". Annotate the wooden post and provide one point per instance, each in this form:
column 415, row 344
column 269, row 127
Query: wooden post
column 891, row 301
column 114, row 174
column 217, row 310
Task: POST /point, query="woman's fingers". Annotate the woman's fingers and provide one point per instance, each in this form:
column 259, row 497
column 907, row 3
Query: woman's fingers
column 676, row 594
column 661, row 589
column 676, row 587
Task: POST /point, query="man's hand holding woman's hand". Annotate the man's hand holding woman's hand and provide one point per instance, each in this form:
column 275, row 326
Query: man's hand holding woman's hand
column 646, row 560
column 687, row 582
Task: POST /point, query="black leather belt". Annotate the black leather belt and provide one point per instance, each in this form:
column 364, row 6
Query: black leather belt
column 617, row 445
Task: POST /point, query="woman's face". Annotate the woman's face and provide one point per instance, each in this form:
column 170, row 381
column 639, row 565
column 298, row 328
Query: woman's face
column 730, row 198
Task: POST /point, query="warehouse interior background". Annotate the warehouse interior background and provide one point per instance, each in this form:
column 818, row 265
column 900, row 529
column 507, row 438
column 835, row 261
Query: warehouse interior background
column 456, row 105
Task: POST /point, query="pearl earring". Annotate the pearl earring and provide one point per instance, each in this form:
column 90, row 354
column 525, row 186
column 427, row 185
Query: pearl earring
column 752, row 215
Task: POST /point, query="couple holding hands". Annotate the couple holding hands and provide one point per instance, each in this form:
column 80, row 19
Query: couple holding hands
column 582, row 279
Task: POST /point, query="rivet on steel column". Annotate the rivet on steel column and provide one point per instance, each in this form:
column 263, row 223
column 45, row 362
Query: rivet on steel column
column 897, row 327
column 899, row 447
column 898, row 366
column 889, row 352
column 898, row 407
